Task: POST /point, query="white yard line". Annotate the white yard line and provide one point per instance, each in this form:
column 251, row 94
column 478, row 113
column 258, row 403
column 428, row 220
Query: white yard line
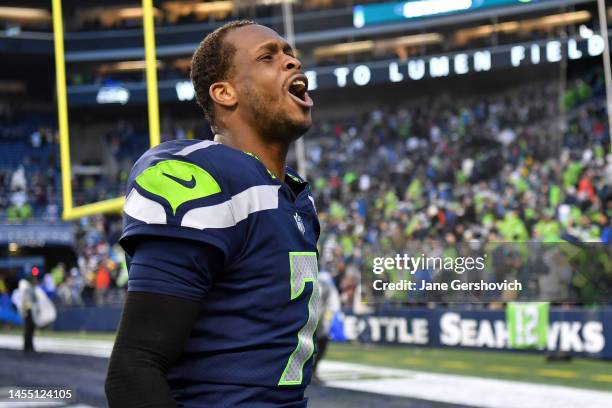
column 95, row 348
column 455, row 389
column 474, row 391
column 27, row 404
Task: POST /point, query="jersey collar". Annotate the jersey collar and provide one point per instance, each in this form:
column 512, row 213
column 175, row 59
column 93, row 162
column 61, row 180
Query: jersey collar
column 289, row 172
column 295, row 183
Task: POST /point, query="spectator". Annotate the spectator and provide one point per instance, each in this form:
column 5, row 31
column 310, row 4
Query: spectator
column 102, row 283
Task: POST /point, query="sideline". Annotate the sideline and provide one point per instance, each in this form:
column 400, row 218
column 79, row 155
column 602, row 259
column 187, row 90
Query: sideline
column 94, row 348
column 447, row 388
column 456, row 389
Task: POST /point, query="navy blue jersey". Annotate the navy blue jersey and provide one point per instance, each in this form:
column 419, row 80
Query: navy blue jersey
column 252, row 345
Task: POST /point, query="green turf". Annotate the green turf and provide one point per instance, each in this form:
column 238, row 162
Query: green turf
column 580, row 372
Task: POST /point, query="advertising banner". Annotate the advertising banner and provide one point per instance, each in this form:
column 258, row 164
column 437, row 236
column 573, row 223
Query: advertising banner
column 575, row 331
column 370, row 73
column 37, row 234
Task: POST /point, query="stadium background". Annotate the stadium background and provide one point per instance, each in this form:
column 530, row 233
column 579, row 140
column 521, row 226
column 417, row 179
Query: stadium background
column 484, row 124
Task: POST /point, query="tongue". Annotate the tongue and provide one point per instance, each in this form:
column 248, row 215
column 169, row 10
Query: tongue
column 297, row 90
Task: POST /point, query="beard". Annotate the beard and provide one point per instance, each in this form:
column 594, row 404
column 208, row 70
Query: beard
column 272, row 115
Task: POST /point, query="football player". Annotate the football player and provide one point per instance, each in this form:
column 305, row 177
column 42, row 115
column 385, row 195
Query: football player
column 329, row 307
column 222, row 300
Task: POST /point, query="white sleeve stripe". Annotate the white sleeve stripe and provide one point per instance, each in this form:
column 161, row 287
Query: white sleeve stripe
column 313, row 203
column 198, row 146
column 222, row 215
column 231, row 212
column 144, row 209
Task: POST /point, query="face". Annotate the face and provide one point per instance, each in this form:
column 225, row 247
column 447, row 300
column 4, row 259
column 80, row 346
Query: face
column 269, row 83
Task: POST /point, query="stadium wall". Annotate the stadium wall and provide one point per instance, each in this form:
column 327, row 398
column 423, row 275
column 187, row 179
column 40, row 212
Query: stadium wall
column 575, row 331
column 90, row 318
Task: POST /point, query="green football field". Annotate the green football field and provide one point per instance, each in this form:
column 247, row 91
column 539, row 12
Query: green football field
column 533, row 368
column 518, row 366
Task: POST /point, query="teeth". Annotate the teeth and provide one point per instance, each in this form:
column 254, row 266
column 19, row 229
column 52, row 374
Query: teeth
column 298, row 88
column 299, row 83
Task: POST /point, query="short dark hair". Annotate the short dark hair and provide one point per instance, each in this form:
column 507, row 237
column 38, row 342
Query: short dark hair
column 212, row 62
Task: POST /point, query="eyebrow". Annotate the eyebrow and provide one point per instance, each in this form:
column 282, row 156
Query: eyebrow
column 274, row 46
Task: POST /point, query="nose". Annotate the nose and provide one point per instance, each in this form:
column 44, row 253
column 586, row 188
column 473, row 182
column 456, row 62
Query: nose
column 292, row 63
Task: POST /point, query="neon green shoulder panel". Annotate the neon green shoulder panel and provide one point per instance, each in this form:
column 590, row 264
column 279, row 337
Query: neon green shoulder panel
column 178, row 182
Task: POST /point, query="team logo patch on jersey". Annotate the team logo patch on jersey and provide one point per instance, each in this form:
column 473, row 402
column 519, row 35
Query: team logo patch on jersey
column 178, row 182
column 300, row 223
column 191, row 183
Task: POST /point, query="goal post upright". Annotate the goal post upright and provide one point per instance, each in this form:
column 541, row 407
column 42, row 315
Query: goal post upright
column 148, row 20
column 113, row 205
column 62, row 106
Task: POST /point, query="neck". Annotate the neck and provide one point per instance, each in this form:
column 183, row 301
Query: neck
column 272, row 154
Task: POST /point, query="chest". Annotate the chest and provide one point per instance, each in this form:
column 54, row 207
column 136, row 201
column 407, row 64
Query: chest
column 273, row 237
column 292, row 227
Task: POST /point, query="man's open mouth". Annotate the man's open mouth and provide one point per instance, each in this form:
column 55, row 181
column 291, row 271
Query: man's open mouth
column 298, row 89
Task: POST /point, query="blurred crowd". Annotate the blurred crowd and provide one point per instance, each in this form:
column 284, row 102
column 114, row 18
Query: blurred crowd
column 494, row 168
column 100, row 274
column 173, row 14
column 29, row 176
column 520, row 165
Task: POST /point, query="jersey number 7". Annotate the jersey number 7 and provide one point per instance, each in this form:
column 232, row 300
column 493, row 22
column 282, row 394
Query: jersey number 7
column 304, row 269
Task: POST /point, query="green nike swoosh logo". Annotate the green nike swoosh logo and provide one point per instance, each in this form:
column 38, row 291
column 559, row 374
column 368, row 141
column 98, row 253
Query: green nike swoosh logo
column 185, row 183
column 178, row 182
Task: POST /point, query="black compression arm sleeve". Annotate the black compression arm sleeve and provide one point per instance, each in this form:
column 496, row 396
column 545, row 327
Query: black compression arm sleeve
column 151, row 336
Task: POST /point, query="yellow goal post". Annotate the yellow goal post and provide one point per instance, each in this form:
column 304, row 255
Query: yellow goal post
column 113, row 205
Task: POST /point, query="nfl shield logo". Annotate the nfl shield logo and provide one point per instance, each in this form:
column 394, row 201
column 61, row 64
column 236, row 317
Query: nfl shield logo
column 299, row 222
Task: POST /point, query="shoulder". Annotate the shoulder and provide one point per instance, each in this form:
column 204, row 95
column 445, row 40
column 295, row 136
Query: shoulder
column 233, row 170
column 206, row 154
column 198, row 190
column 170, row 176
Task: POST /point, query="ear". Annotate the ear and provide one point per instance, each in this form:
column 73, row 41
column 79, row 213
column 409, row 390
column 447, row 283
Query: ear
column 224, row 94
